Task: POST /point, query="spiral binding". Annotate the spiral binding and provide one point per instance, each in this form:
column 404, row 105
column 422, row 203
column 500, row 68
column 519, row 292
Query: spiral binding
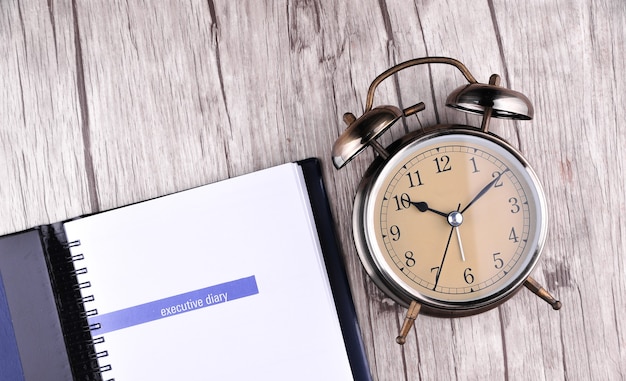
column 85, row 314
column 79, row 342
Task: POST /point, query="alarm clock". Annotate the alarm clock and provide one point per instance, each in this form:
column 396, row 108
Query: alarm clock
column 449, row 220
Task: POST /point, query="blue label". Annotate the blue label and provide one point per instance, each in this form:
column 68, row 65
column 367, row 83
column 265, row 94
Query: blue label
column 10, row 363
column 174, row 305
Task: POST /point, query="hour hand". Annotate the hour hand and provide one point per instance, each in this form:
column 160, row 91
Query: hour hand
column 423, row 207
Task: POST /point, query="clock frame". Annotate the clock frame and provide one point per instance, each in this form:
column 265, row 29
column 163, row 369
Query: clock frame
column 375, row 241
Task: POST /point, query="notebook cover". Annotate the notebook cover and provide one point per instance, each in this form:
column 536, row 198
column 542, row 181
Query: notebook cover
column 335, row 268
column 39, row 346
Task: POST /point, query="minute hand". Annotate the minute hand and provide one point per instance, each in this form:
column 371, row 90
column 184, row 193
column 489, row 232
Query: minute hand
column 484, row 190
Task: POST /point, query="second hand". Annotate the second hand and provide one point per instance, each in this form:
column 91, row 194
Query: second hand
column 458, row 236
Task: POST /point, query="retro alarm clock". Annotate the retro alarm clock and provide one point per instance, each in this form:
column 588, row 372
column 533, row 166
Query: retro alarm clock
column 449, row 220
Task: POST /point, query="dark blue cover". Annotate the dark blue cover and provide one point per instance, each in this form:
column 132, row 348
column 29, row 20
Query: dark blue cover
column 10, row 364
column 33, row 331
column 336, row 269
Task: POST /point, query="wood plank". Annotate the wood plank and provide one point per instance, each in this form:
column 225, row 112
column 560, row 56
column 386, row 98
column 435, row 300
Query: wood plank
column 155, row 102
column 42, row 162
column 575, row 140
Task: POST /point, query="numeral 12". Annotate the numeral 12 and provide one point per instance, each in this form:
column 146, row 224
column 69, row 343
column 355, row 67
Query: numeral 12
column 445, row 160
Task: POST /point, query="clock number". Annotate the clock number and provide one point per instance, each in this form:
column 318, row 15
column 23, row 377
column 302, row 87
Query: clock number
column 497, row 262
column 410, row 261
column 513, row 237
column 469, row 278
column 402, row 202
column 395, row 232
column 412, row 180
column 514, row 205
column 436, row 274
column 473, row 160
column 445, row 161
column 499, row 181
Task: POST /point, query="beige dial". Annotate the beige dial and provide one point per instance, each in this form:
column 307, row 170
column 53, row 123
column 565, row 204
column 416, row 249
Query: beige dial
column 455, row 219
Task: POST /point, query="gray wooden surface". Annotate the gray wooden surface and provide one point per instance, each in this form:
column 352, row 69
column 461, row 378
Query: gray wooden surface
column 104, row 103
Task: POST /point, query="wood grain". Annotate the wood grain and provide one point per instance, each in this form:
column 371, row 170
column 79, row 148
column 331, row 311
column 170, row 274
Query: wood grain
column 105, row 103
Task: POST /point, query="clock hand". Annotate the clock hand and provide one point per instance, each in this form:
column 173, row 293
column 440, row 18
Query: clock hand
column 443, row 259
column 445, row 252
column 423, row 207
column 458, row 236
column 455, row 219
column 484, row 190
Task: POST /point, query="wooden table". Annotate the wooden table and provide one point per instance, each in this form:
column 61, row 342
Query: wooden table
column 105, row 103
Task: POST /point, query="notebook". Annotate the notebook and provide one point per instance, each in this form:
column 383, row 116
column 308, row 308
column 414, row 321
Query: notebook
column 236, row 280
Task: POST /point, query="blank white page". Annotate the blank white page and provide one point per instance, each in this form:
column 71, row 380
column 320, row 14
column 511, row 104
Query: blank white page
column 221, row 282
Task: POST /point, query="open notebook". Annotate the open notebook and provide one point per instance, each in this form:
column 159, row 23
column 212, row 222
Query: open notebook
column 236, row 280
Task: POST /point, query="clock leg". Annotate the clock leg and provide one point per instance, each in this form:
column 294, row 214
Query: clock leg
column 411, row 315
column 541, row 292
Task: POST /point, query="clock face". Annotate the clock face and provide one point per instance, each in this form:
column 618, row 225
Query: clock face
column 454, row 220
